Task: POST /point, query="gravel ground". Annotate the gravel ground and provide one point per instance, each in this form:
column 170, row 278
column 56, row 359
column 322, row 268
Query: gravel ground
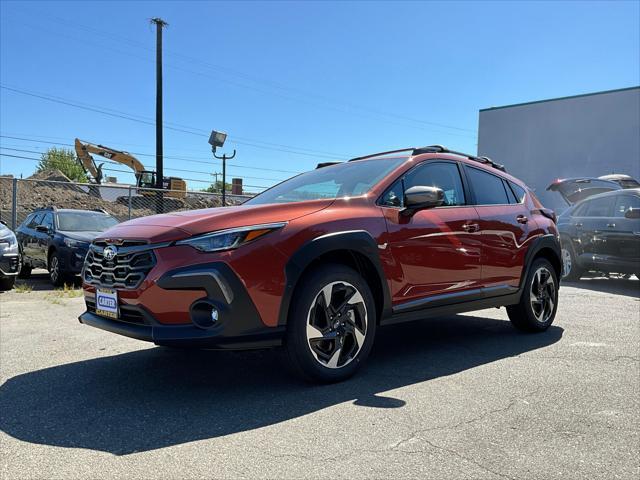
column 460, row 397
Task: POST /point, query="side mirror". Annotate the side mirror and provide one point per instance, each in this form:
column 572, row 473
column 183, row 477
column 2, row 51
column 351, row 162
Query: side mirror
column 632, row 213
column 4, row 223
column 42, row 228
column 420, row 198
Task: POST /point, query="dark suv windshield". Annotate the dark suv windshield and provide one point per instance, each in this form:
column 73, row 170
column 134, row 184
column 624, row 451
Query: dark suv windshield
column 343, row 180
column 85, row 221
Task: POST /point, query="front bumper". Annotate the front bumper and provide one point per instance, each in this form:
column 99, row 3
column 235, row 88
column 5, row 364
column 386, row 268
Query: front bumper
column 9, row 264
column 239, row 325
column 72, row 259
column 185, row 335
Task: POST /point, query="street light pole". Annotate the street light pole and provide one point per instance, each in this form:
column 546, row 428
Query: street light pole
column 224, row 159
column 217, row 139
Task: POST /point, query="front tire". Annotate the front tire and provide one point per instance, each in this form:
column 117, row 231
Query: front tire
column 539, row 300
column 56, row 275
column 25, row 271
column 571, row 271
column 7, row 283
column 331, row 325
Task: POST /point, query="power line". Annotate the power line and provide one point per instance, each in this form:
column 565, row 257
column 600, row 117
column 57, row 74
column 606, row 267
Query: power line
column 130, row 117
column 252, row 78
column 123, row 171
column 185, row 159
column 146, row 166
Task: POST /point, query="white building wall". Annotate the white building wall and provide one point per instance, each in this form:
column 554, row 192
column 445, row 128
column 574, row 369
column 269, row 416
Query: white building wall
column 586, row 135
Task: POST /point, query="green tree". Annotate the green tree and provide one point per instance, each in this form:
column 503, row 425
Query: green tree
column 216, row 187
column 62, row 159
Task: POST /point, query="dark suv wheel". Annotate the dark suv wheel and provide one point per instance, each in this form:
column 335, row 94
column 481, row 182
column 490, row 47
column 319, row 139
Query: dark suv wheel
column 539, row 301
column 56, row 274
column 571, row 271
column 331, row 325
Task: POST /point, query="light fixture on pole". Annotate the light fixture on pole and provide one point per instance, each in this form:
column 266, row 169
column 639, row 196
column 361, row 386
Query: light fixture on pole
column 217, row 139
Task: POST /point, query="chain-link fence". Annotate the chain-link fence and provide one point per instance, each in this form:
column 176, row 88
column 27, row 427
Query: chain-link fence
column 19, row 197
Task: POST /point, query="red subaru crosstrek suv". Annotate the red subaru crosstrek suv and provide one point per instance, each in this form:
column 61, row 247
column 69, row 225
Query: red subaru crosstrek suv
column 319, row 261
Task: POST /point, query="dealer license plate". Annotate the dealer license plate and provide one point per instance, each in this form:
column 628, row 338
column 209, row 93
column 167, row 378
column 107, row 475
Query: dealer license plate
column 107, row 302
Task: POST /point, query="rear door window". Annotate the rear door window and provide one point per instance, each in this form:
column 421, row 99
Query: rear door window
column 510, row 194
column 487, row 188
column 600, row 207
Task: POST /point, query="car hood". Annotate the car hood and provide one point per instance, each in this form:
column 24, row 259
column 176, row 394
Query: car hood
column 176, row 226
column 574, row 190
column 80, row 236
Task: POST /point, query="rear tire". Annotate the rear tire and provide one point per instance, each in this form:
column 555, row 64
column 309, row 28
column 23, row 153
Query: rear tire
column 571, row 271
column 539, row 300
column 331, row 324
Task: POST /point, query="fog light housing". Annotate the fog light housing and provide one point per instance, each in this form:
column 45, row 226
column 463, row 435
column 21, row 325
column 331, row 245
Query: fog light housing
column 205, row 314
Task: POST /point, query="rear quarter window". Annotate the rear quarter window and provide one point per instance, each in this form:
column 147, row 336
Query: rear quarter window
column 519, row 192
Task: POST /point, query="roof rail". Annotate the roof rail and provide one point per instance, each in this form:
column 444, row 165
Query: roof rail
column 326, row 164
column 441, row 149
column 382, row 153
column 436, row 149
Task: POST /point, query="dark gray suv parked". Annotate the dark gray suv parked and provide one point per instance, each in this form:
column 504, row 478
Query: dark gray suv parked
column 602, row 233
column 58, row 240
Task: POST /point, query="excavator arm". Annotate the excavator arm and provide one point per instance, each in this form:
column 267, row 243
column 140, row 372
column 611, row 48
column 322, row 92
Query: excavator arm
column 84, row 149
column 145, row 179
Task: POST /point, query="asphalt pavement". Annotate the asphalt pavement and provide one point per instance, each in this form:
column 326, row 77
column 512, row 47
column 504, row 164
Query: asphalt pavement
column 463, row 397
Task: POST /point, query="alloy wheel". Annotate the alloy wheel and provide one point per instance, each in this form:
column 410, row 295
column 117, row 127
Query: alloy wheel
column 543, row 295
column 54, row 269
column 566, row 262
column 337, row 324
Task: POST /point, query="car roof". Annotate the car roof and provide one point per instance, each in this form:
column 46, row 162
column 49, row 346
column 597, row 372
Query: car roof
column 616, row 176
column 613, row 193
column 70, row 210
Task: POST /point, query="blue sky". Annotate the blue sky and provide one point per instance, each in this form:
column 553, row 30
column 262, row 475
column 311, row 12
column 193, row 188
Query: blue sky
column 295, row 83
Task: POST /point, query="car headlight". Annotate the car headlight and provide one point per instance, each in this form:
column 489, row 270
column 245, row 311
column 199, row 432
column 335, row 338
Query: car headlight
column 8, row 244
column 230, row 238
column 71, row 243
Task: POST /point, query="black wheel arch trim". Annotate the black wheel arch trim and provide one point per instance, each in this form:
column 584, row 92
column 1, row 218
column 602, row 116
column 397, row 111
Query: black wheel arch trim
column 358, row 241
column 549, row 242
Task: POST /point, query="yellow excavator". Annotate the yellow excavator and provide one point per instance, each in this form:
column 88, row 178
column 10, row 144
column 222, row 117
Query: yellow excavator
column 144, row 178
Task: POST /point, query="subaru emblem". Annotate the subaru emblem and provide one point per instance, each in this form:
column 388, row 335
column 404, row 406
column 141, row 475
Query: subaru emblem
column 110, row 252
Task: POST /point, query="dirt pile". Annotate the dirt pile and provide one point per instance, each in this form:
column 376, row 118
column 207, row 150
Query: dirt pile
column 53, row 188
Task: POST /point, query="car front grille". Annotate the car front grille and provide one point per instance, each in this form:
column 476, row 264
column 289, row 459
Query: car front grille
column 127, row 269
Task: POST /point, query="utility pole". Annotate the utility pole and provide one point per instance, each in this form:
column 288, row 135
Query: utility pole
column 159, row 151
column 215, row 174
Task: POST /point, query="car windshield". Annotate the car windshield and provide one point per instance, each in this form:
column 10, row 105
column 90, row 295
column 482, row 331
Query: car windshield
column 85, row 221
column 342, row 180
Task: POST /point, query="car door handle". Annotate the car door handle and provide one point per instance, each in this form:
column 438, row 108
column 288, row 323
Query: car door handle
column 611, row 225
column 578, row 225
column 471, row 227
column 521, row 219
